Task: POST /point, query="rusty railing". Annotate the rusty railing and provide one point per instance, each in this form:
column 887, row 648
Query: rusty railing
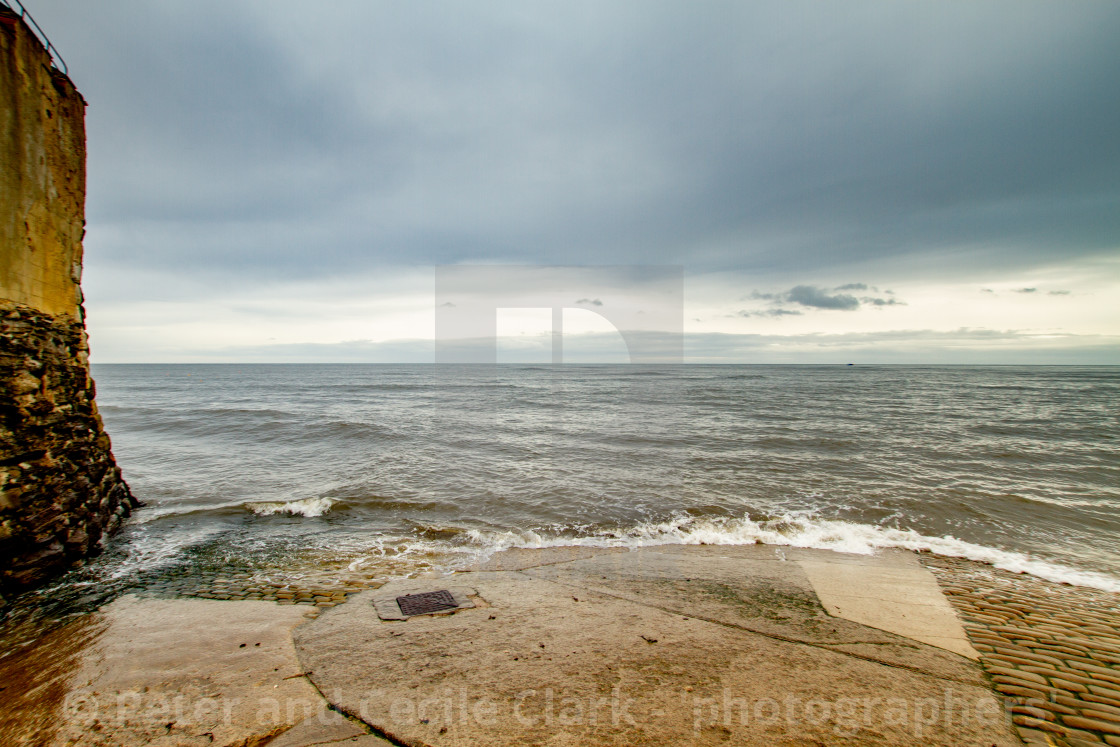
column 56, row 59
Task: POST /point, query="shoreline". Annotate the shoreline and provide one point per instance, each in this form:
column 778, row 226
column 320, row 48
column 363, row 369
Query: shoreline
column 447, row 546
column 1056, row 676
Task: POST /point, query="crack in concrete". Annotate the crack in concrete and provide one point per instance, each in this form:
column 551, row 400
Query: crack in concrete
column 353, row 716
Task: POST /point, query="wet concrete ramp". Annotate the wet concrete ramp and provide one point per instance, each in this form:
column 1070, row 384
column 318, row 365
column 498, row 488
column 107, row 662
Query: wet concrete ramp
column 668, row 645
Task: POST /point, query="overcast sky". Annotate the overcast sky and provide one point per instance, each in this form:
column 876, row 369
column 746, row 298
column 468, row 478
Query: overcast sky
column 858, row 181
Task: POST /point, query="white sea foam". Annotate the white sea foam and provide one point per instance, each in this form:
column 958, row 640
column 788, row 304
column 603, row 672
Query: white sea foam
column 305, row 507
column 149, row 548
column 799, row 530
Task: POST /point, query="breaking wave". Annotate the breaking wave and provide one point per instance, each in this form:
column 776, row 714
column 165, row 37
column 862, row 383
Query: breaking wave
column 306, row 507
column 797, row 530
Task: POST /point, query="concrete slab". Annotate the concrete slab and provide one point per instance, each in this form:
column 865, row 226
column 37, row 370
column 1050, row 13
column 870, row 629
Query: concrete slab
column 326, row 728
column 624, row 649
column 517, row 558
column 893, row 593
column 887, row 558
column 182, row 672
column 754, row 587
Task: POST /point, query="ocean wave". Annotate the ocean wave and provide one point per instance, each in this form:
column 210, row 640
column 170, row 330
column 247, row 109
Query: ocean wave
column 310, row 507
column 150, row 513
column 797, row 530
column 305, row 507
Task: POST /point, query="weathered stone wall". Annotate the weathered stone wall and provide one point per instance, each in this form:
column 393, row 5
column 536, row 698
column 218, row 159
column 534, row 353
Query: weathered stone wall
column 42, row 175
column 60, row 489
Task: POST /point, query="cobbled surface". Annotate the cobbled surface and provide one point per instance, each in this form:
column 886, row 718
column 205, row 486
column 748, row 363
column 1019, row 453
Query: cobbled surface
column 1052, row 650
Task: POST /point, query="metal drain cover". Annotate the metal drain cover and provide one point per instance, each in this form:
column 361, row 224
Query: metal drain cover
column 426, row 602
column 392, row 605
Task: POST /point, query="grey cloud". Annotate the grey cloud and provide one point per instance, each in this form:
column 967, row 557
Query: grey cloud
column 627, row 132
column 808, row 295
column 769, row 313
column 589, row 302
column 1026, row 290
column 811, row 296
column 1059, row 293
column 241, row 146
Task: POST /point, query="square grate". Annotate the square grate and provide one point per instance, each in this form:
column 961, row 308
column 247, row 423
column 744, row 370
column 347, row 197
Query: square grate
column 426, row 602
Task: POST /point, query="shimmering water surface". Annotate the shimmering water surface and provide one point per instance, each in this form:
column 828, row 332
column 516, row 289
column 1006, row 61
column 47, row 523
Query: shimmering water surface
column 395, row 467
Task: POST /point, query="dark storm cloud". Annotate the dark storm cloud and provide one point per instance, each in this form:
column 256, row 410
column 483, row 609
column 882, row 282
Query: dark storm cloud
column 236, row 140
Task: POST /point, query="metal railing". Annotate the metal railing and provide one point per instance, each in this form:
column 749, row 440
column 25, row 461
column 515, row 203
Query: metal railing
column 56, row 58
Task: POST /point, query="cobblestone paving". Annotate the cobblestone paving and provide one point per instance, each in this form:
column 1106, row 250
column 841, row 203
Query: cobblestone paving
column 1052, row 650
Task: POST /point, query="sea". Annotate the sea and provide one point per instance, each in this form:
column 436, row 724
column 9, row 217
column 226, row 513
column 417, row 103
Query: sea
column 303, row 471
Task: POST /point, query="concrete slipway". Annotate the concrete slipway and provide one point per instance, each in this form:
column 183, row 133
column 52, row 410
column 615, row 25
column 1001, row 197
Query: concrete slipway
column 671, row 645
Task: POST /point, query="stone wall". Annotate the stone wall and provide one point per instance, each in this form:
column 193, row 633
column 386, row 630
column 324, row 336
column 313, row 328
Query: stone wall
column 60, row 489
column 42, row 175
